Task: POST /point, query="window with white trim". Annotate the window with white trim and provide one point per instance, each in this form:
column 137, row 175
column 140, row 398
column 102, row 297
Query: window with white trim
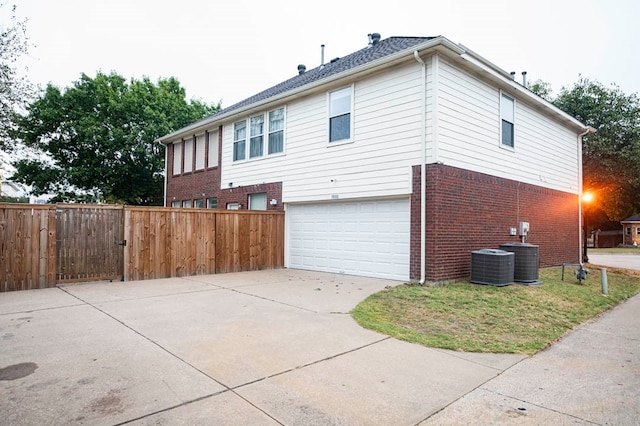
column 276, row 131
column 186, row 203
column 507, row 120
column 175, row 204
column 212, row 203
column 256, row 142
column 265, row 135
column 340, row 114
column 188, row 155
column 212, row 161
column 239, row 140
column 198, row 204
column 200, row 152
column 177, row 158
column 258, row 201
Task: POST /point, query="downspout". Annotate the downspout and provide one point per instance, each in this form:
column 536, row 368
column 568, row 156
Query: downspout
column 423, row 169
column 588, row 130
column 166, row 171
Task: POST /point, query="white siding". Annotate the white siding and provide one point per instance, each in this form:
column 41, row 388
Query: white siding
column 386, row 143
column 545, row 153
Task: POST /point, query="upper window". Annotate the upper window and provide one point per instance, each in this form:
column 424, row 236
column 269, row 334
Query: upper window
column 264, row 129
column 212, row 161
column 257, row 136
column 198, row 204
column 200, row 152
column 175, row 203
column 507, row 115
column 239, row 140
column 212, row 203
column 177, row 158
column 276, row 131
column 188, row 155
column 340, row 115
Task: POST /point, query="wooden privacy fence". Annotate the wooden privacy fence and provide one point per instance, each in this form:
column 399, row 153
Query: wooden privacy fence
column 41, row 246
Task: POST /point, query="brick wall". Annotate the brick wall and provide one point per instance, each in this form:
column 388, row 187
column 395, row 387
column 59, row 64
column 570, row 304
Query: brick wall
column 203, row 184
column 468, row 211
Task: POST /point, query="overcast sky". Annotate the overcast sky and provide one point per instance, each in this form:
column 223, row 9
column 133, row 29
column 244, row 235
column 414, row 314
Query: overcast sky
column 229, row 50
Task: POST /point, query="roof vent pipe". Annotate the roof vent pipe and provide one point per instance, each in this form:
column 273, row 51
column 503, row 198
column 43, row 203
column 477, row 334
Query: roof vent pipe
column 513, row 75
column 322, row 55
column 375, row 38
column 524, row 78
column 301, row 69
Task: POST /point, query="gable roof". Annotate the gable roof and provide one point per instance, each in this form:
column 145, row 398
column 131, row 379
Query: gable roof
column 634, row 218
column 363, row 56
column 382, row 52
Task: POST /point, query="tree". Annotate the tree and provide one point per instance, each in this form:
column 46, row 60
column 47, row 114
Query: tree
column 98, row 138
column 15, row 91
column 541, row 88
column 611, row 155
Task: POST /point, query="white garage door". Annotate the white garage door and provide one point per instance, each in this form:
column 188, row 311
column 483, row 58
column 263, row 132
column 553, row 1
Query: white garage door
column 368, row 238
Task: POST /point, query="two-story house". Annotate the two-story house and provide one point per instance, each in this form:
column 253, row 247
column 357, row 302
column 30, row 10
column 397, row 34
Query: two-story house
column 341, row 148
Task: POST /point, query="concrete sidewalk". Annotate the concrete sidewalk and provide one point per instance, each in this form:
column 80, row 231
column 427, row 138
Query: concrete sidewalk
column 268, row 347
column 278, row 347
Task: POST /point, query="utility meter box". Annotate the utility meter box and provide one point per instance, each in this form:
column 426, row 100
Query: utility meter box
column 523, row 228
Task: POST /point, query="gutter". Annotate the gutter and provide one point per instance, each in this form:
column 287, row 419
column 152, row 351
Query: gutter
column 423, row 168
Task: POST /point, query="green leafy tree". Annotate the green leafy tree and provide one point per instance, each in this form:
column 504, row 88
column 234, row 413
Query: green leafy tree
column 611, row 155
column 98, row 136
column 15, row 91
column 541, row 88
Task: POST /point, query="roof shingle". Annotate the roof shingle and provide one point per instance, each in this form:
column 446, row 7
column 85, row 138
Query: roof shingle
column 368, row 54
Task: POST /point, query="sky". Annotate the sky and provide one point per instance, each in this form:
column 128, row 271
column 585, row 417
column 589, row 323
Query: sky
column 229, row 50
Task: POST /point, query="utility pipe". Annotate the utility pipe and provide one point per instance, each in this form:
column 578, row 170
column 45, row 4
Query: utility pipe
column 423, row 168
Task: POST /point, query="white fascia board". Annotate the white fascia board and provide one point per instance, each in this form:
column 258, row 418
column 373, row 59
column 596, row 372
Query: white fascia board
column 403, row 55
column 504, row 78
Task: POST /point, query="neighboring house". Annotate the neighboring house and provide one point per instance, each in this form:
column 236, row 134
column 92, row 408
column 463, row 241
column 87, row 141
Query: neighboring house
column 341, row 147
column 631, row 230
column 608, row 239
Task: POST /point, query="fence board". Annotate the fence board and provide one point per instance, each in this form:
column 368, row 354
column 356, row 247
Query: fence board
column 44, row 245
column 27, row 245
column 87, row 239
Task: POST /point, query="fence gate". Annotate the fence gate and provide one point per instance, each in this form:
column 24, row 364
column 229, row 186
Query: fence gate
column 89, row 243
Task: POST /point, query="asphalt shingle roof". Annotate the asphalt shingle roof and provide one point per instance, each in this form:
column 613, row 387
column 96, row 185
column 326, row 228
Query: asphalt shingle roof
column 379, row 50
column 634, row 218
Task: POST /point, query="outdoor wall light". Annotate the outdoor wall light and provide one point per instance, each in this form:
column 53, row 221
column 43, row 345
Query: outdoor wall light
column 273, row 202
column 230, row 184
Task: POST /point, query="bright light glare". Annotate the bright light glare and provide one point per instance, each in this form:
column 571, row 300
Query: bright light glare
column 587, row 197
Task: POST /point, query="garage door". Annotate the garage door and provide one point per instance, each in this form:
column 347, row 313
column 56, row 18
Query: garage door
column 368, row 238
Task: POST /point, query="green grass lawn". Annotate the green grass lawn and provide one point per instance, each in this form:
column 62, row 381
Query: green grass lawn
column 479, row 318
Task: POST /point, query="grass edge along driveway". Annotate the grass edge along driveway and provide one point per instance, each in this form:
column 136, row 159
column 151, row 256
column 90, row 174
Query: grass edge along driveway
column 479, row 318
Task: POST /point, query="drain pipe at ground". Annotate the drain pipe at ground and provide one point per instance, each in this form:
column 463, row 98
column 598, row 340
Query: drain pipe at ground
column 423, row 168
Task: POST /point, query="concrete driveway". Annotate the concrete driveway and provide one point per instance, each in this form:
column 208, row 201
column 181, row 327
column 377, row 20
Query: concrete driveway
column 627, row 261
column 267, row 347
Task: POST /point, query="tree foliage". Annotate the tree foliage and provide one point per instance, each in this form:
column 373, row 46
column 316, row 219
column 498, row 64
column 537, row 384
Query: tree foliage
column 541, row 88
column 611, row 155
column 15, row 91
column 98, row 138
